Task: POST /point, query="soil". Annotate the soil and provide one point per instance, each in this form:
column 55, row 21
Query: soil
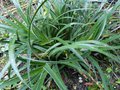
column 73, row 80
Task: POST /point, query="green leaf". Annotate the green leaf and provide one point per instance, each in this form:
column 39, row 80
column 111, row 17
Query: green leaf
column 8, row 28
column 55, row 77
column 4, row 69
column 19, row 10
column 118, row 81
column 16, row 79
column 40, row 81
column 12, row 60
column 104, row 78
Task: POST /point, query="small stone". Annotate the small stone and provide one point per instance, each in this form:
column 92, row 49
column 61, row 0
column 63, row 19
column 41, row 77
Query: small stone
column 80, row 81
column 80, row 78
column 74, row 87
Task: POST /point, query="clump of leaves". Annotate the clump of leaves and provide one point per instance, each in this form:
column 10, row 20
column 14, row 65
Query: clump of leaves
column 52, row 34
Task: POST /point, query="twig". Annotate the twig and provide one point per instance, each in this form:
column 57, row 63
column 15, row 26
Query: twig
column 117, row 28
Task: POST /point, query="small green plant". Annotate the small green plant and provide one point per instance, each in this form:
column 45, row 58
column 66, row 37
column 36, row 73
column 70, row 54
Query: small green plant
column 53, row 34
